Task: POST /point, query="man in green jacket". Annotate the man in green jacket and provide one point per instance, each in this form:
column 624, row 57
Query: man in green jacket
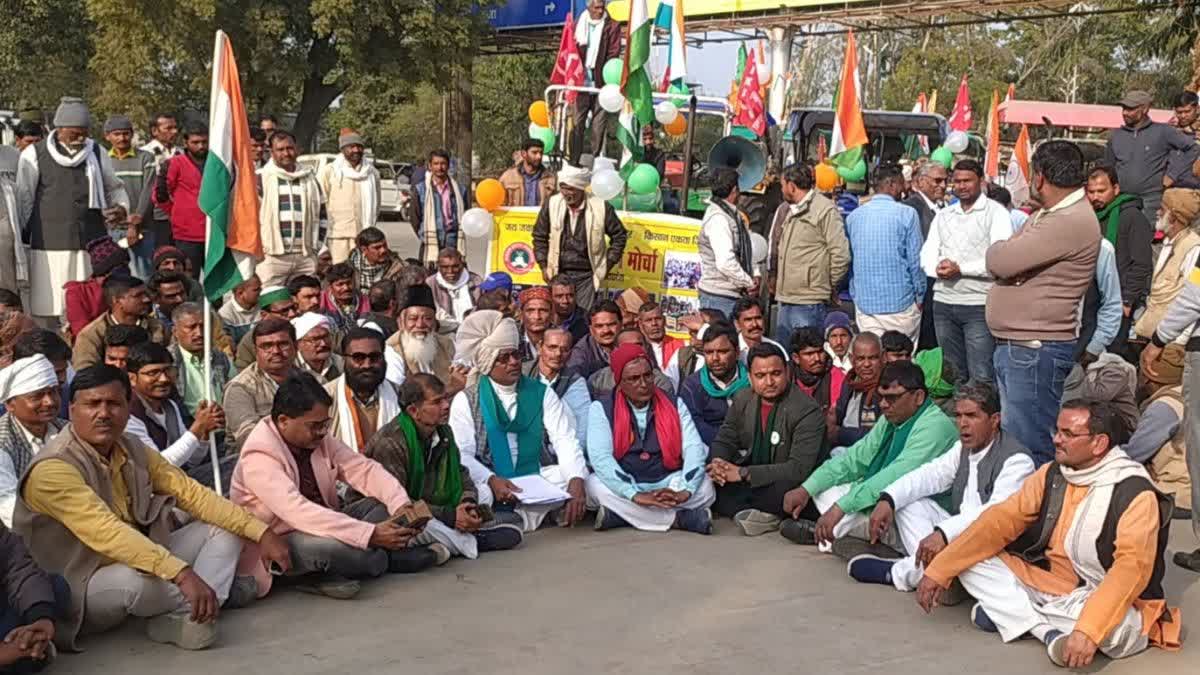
column 845, row 488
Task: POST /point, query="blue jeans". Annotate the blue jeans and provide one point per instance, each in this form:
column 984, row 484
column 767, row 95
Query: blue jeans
column 966, row 342
column 792, row 317
column 718, row 302
column 1030, row 381
column 141, row 254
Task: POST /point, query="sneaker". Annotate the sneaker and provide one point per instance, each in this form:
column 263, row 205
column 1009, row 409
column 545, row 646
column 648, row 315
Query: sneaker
column 507, row 518
column 498, row 537
column 870, row 569
column 607, row 520
column 1056, row 643
column 1188, row 561
column 413, row 559
column 443, row 553
column 849, row 548
column 799, row 531
column 754, row 522
column 242, row 593
column 694, row 520
column 338, row 588
column 178, row 629
column 981, row 620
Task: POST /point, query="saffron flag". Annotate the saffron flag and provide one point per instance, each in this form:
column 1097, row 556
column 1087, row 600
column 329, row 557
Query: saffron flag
column 670, row 19
column 228, row 196
column 568, row 68
column 961, row 119
column 991, row 162
column 751, row 113
column 1012, row 92
column 849, row 130
column 1017, row 177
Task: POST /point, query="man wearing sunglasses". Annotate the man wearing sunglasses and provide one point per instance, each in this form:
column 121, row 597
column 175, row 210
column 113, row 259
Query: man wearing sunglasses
column 845, row 488
column 1076, row 557
column 363, row 402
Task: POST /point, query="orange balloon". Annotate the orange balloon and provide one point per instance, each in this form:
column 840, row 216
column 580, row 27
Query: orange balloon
column 827, row 177
column 489, row 194
column 678, row 126
column 538, row 114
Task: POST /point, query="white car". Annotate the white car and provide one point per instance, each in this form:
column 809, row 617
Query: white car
column 391, row 201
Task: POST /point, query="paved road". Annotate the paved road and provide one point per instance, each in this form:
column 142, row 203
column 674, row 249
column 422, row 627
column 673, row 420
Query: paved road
column 403, row 241
column 614, row 602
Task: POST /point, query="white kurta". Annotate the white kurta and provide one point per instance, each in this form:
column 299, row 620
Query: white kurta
column 560, row 428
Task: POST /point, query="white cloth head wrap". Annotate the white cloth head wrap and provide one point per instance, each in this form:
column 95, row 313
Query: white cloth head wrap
column 483, row 335
column 27, row 375
column 308, row 321
column 575, row 177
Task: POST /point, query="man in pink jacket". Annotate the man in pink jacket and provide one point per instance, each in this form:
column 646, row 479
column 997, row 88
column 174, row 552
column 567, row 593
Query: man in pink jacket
column 288, row 476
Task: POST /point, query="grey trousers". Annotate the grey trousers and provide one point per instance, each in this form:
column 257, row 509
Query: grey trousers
column 1191, row 416
column 319, row 555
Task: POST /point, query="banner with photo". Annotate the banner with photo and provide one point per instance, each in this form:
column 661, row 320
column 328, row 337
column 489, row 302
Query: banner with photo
column 661, row 257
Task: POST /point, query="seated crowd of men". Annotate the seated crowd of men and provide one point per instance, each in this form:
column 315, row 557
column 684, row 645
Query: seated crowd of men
column 331, row 408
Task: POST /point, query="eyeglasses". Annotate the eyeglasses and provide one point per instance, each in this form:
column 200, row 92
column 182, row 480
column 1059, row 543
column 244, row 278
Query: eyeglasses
column 1072, row 435
column 155, row 373
column 891, row 399
column 508, row 355
column 281, row 346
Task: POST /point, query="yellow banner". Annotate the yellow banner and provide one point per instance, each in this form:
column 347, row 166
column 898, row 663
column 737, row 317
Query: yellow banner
column 661, row 257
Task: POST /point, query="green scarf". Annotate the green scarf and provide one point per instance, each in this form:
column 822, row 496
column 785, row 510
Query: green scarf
column 447, row 487
column 527, row 426
column 930, row 362
column 1111, row 216
column 740, row 382
column 894, row 440
column 760, row 450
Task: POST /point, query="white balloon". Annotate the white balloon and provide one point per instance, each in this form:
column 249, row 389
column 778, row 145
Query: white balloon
column 665, row 113
column 758, row 247
column 611, row 98
column 607, row 184
column 957, row 141
column 603, row 164
column 477, row 223
column 533, row 129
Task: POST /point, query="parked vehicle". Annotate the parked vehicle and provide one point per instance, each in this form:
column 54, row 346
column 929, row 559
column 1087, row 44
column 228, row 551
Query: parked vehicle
column 391, row 197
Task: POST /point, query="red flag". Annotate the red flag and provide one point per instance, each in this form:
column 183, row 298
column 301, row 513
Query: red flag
column 568, row 68
column 961, row 119
column 751, row 113
column 991, row 163
column 1012, row 92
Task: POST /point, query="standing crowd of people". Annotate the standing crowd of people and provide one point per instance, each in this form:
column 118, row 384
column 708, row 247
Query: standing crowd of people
column 366, row 412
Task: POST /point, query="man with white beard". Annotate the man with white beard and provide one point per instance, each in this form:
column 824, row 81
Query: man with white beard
column 417, row 347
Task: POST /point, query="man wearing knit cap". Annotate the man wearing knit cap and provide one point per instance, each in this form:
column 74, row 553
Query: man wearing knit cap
column 352, row 194
column 646, row 453
column 1180, row 250
column 136, row 170
column 1160, row 440
column 509, row 425
column 418, row 347
column 578, row 236
column 314, row 347
column 67, row 195
column 85, row 299
column 31, row 395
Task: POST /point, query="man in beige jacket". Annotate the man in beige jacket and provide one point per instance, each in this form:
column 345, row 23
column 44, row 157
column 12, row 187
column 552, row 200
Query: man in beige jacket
column 809, row 253
column 351, row 188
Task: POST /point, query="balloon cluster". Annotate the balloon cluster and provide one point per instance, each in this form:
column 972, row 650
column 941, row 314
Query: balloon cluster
column 539, row 125
column 955, row 143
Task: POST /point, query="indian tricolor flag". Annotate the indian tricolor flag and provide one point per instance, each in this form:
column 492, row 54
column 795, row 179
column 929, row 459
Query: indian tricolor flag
column 670, row 19
column 227, row 192
column 849, row 131
column 635, row 85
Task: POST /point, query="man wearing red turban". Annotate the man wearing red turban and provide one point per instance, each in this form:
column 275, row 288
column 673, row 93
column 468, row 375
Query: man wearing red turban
column 646, row 453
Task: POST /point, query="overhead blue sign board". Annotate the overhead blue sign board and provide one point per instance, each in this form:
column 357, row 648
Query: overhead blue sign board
column 518, row 14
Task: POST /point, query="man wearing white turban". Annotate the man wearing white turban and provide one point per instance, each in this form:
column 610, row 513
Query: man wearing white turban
column 569, row 236
column 30, row 391
column 510, row 425
column 314, row 347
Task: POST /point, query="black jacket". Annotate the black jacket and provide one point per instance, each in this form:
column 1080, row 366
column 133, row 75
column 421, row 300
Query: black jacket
column 1135, row 261
column 925, row 213
column 27, row 587
column 801, row 428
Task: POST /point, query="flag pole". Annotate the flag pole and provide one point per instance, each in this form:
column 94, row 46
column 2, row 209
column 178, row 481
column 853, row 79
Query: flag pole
column 212, row 441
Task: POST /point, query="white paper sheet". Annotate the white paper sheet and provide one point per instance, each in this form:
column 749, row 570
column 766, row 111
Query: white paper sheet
column 537, row 490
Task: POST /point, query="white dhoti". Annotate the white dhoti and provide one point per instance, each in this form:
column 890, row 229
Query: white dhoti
column 458, row 543
column 533, row 515
column 647, row 517
column 913, row 523
column 48, row 272
column 852, row 524
column 1017, row 609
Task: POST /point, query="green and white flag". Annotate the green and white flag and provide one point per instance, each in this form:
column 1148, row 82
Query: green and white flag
column 635, row 85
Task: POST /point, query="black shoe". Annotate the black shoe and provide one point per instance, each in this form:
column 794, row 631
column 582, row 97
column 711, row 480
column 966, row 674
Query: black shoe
column 799, row 531
column 694, row 520
column 849, row 548
column 498, row 537
column 1188, row 561
column 607, row 520
column 410, row 560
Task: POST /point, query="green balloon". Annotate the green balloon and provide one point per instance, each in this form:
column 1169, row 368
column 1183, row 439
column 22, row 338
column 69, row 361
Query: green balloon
column 855, row 174
column 613, row 70
column 547, row 137
column 643, row 180
column 943, row 156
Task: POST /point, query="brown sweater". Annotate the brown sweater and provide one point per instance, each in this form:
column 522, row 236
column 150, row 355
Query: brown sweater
column 1042, row 273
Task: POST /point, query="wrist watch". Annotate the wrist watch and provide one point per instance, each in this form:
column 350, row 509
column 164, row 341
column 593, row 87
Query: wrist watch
column 744, row 474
